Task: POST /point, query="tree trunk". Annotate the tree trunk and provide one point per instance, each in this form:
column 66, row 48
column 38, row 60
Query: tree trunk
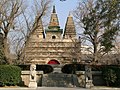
column 95, row 53
column 7, row 51
column 2, row 55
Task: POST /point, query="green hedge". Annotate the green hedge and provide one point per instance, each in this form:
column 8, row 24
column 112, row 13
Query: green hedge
column 111, row 75
column 9, row 75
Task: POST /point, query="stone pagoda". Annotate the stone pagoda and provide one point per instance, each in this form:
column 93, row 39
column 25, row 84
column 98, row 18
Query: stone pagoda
column 53, row 45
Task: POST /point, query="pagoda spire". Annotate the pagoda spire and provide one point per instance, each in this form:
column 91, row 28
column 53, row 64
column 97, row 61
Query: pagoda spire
column 69, row 27
column 54, row 23
column 54, row 11
column 39, row 29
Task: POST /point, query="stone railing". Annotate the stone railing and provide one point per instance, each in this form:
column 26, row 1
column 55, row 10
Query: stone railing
column 96, row 75
column 25, row 75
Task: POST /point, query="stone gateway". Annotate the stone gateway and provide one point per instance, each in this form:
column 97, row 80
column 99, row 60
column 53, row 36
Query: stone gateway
column 54, row 47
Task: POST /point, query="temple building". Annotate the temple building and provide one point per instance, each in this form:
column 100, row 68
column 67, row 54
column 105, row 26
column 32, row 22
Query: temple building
column 53, row 45
column 59, row 57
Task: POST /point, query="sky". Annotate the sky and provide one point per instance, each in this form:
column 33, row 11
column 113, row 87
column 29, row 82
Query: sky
column 63, row 8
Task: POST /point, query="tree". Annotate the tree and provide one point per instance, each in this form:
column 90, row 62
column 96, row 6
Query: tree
column 75, row 50
column 100, row 21
column 2, row 56
column 9, row 11
column 40, row 9
column 18, row 15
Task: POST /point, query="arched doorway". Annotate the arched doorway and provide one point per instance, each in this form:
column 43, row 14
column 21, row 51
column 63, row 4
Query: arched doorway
column 53, row 62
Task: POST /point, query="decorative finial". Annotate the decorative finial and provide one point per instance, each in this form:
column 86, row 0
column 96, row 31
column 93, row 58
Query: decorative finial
column 70, row 15
column 54, row 11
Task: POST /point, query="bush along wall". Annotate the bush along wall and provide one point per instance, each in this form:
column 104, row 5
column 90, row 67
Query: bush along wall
column 9, row 75
column 111, row 75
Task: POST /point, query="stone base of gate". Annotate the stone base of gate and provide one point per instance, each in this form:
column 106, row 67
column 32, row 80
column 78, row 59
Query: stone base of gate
column 32, row 85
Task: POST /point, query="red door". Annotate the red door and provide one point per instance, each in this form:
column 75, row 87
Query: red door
column 53, row 62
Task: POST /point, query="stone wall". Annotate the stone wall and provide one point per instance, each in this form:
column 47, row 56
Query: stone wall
column 97, row 78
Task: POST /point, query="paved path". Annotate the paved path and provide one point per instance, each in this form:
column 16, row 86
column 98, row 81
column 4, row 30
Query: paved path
column 43, row 88
column 59, row 88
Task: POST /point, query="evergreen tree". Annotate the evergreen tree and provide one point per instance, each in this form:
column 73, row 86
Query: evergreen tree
column 100, row 21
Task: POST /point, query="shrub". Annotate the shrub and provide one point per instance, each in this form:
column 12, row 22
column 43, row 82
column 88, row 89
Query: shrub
column 111, row 75
column 118, row 77
column 9, row 75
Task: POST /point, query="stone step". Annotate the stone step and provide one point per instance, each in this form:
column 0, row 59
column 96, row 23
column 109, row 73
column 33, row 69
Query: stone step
column 60, row 80
column 57, row 70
